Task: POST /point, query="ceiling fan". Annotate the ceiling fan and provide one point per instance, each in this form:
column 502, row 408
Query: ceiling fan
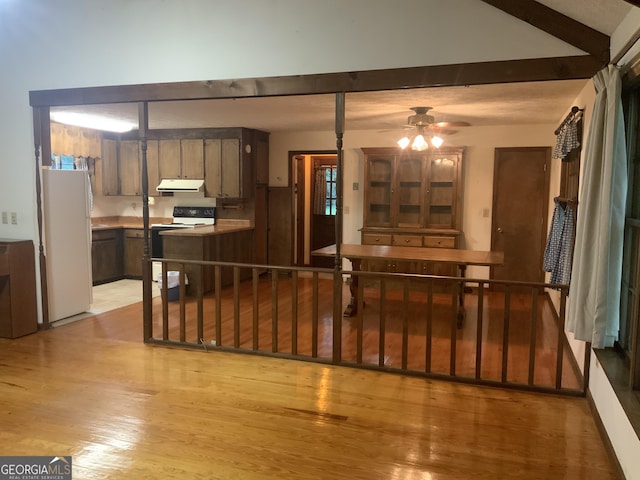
column 426, row 126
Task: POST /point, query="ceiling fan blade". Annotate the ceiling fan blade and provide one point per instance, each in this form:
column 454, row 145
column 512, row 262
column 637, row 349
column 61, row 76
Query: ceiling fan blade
column 449, row 124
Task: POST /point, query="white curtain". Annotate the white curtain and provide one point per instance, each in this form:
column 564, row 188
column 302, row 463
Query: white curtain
column 594, row 295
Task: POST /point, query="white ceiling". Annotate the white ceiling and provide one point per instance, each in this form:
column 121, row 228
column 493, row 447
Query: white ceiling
column 480, row 105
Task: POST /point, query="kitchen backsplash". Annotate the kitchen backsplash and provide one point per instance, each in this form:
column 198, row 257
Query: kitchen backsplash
column 112, row 206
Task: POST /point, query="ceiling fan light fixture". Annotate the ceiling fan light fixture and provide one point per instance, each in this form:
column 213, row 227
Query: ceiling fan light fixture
column 419, row 143
column 436, row 141
column 404, row 142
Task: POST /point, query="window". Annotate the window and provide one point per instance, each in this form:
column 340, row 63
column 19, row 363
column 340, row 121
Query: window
column 325, row 190
column 629, row 336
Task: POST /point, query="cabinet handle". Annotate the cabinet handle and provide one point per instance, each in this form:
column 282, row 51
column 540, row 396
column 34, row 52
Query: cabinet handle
column 406, row 240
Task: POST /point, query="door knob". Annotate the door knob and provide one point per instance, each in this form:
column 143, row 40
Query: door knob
column 500, row 230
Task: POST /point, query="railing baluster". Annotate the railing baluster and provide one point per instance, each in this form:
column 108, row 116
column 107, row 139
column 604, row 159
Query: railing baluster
column 274, row 311
column 256, row 309
column 165, row 303
column 455, row 311
column 182, row 290
column 533, row 334
column 359, row 320
column 217, row 278
column 560, row 349
column 236, row 307
column 429, row 327
column 200, row 307
column 479, row 328
column 505, row 332
column 294, row 312
column 314, row 317
column 383, row 326
column 405, row 322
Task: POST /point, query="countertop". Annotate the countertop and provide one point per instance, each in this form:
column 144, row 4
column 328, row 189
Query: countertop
column 223, row 226
column 208, row 230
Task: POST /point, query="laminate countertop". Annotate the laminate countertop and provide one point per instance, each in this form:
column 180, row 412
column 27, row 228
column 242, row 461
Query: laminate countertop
column 206, row 230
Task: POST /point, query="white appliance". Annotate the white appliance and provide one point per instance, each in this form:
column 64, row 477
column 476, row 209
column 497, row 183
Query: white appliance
column 67, row 221
column 183, row 217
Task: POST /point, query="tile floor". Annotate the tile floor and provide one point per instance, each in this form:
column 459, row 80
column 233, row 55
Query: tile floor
column 110, row 296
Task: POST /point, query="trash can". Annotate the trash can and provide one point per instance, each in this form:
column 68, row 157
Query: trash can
column 173, row 285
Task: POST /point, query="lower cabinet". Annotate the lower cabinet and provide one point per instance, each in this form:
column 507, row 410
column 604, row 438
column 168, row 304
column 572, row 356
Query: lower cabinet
column 107, row 255
column 133, row 253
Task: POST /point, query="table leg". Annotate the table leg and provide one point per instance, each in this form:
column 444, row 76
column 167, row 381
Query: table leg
column 352, row 308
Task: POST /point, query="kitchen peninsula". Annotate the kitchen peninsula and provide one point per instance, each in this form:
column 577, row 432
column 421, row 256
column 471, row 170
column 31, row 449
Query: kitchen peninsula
column 227, row 241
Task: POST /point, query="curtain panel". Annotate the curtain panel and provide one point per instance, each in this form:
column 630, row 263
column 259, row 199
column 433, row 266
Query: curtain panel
column 594, row 296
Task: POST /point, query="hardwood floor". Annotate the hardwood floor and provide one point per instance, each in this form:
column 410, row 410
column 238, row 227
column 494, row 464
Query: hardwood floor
column 122, row 409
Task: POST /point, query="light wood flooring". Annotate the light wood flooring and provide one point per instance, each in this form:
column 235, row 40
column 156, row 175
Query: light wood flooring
column 122, row 409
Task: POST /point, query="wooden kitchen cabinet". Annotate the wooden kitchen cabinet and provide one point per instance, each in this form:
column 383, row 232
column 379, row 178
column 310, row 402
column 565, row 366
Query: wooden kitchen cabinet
column 110, row 178
column 107, row 255
column 133, row 252
column 181, row 158
column 223, row 170
column 153, row 170
column 129, row 167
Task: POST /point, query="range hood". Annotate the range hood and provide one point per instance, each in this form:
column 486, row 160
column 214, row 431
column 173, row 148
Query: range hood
column 181, row 185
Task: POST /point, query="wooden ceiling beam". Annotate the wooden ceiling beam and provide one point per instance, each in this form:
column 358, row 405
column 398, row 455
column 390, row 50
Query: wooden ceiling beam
column 540, row 69
column 560, row 26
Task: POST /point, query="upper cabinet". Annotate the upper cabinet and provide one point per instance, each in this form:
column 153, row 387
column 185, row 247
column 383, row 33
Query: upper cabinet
column 223, row 168
column 129, row 167
column 109, row 163
column 181, row 158
column 413, row 190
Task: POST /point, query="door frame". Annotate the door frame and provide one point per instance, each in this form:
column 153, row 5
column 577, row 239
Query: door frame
column 297, row 159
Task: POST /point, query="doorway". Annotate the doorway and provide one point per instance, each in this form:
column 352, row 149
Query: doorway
column 315, row 205
column 520, row 208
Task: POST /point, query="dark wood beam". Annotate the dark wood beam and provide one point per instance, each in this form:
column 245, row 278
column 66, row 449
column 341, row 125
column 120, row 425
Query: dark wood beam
column 540, row 69
column 560, row 26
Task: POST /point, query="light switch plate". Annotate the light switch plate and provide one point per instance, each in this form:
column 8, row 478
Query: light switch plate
column 14, row 218
column 5, row 218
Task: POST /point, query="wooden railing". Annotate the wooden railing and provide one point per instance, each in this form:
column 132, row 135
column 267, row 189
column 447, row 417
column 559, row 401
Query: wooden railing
column 511, row 335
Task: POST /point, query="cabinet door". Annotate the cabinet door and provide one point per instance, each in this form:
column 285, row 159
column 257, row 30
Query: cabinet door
column 410, row 192
column 442, row 191
column 130, row 167
column 169, row 158
column 192, row 158
column 133, row 253
column 212, row 164
column 106, row 256
column 378, row 190
column 109, row 167
column 230, row 168
column 153, row 167
column 222, row 168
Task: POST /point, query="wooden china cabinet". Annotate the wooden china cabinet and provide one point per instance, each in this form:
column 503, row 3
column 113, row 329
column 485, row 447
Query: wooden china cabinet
column 412, row 199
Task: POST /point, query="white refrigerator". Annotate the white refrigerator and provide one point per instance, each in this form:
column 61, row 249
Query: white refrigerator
column 67, row 232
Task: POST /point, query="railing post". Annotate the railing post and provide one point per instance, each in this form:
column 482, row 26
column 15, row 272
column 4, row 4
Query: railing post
column 337, row 272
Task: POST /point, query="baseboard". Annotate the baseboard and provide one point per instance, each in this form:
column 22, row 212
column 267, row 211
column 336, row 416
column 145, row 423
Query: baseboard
column 605, row 437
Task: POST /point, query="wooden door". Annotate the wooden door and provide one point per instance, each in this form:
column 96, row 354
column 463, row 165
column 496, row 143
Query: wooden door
column 520, row 203
column 261, row 224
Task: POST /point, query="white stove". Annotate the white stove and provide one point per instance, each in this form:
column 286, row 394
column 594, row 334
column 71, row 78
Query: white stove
column 189, row 217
